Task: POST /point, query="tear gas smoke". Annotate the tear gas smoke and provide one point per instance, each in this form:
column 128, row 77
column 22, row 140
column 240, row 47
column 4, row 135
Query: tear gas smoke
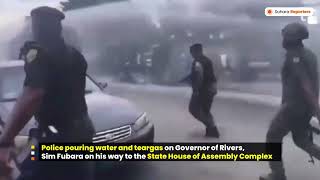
column 12, row 17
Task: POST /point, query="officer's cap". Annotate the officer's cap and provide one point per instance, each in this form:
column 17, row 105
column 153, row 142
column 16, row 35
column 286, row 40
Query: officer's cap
column 47, row 12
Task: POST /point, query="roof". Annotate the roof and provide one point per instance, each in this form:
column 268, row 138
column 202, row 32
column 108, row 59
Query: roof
column 11, row 64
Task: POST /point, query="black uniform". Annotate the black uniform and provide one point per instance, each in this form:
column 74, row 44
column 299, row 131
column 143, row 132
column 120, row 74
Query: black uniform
column 296, row 112
column 204, row 89
column 61, row 72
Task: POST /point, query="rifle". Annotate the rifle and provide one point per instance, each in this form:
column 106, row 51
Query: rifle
column 101, row 86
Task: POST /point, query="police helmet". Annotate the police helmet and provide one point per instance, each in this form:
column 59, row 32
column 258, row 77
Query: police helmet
column 295, row 31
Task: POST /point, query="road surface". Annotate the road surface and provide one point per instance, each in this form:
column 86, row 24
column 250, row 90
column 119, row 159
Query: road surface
column 257, row 87
column 238, row 121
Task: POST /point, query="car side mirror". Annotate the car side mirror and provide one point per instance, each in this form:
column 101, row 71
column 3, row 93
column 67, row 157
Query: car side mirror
column 103, row 85
column 34, row 133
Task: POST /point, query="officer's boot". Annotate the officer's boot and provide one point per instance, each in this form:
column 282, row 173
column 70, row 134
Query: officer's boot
column 212, row 132
column 273, row 176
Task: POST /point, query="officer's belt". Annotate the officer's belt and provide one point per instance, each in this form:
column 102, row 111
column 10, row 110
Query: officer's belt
column 45, row 132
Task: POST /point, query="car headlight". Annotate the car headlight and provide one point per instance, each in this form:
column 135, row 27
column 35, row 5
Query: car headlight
column 141, row 122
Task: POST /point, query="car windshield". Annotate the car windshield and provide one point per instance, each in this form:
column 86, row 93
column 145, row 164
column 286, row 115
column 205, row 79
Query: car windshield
column 11, row 84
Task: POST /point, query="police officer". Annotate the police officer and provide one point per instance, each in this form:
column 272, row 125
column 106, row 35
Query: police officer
column 54, row 92
column 204, row 87
column 299, row 98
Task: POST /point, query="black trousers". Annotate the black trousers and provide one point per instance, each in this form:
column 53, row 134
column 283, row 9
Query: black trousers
column 60, row 170
column 200, row 106
column 295, row 120
column 53, row 170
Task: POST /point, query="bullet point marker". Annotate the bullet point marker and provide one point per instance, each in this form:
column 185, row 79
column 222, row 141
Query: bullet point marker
column 33, row 153
column 33, row 158
column 33, row 147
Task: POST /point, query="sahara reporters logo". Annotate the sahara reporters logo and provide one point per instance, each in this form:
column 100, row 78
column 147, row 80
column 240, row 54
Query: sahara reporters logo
column 289, row 11
column 307, row 14
column 268, row 11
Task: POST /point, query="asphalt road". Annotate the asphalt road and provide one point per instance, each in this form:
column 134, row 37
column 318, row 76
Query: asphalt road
column 258, row 87
column 238, row 121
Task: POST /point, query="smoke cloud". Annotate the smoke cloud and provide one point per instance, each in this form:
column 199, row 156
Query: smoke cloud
column 120, row 21
column 12, row 16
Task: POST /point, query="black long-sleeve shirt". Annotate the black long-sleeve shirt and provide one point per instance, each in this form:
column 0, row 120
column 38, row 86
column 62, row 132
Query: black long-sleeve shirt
column 203, row 76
